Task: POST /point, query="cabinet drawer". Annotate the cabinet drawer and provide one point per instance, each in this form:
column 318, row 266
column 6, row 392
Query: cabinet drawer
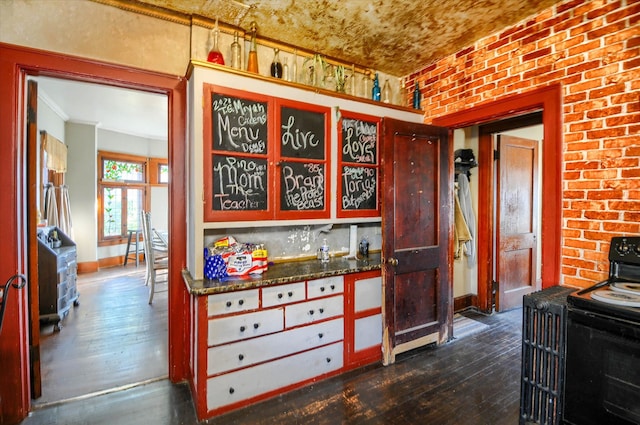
column 325, row 286
column 227, row 357
column 312, row 311
column 282, row 294
column 243, row 326
column 368, row 332
column 232, row 302
column 250, row 382
column 368, row 293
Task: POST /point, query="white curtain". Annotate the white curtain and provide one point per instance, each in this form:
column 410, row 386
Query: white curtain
column 64, row 222
column 50, row 205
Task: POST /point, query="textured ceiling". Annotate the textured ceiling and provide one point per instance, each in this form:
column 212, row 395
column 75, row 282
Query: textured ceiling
column 396, row 37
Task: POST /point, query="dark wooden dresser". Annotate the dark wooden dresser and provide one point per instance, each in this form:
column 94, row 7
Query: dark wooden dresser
column 57, row 275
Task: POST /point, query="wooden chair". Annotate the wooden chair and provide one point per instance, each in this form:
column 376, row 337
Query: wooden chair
column 155, row 254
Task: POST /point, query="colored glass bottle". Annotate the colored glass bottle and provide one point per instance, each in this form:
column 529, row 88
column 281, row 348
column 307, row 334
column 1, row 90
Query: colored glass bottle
column 276, row 65
column 252, row 61
column 416, row 96
column 236, row 52
column 375, row 91
column 215, row 56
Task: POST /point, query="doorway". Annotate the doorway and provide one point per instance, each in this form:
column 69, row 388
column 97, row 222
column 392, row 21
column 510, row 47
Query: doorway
column 113, row 338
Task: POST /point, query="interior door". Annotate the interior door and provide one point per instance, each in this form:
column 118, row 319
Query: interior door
column 517, row 220
column 416, row 224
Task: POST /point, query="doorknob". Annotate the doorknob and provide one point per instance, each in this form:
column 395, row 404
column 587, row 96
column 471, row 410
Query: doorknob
column 4, row 292
column 393, row 261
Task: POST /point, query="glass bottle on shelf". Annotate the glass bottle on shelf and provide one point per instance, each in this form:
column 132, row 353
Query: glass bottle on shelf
column 285, row 71
column 416, row 96
column 366, row 85
column 252, row 61
column 375, row 91
column 236, row 52
column 215, row 56
column 294, row 67
column 386, row 92
column 276, row 65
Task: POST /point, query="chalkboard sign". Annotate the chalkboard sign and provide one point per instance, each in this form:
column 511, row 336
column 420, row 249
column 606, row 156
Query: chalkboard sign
column 239, row 125
column 302, row 133
column 239, row 184
column 359, row 187
column 359, row 141
column 302, row 186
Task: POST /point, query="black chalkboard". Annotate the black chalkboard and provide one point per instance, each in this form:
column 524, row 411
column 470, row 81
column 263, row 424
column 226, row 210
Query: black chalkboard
column 239, row 184
column 359, row 141
column 359, row 191
column 239, row 125
column 302, row 186
column 302, row 133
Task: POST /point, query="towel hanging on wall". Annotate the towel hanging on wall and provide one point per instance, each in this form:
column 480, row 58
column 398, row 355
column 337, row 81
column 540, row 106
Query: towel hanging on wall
column 50, row 205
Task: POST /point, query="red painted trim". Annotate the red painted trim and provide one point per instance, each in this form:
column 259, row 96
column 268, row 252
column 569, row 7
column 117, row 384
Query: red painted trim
column 15, row 63
column 549, row 99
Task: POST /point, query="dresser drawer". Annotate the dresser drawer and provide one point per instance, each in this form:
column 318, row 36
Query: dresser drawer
column 325, row 286
column 233, row 328
column 368, row 293
column 240, row 354
column 283, row 294
column 312, row 311
column 253, row 381
column 232, row 302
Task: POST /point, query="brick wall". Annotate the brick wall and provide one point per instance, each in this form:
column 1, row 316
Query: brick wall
column 592, row 48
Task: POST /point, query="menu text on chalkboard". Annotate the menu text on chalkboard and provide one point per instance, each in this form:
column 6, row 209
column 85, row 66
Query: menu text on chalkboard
column 239, row 125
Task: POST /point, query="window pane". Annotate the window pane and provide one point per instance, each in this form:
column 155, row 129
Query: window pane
column 134, row 204
column 112, row 198
column 164, row 174
column 122, row 171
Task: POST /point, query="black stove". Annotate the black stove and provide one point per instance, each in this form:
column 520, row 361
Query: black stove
column 602, row 372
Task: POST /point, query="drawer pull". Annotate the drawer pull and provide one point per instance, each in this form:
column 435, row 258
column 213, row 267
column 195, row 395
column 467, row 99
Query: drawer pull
column 333, row 287
column 280, row 295
column 256, row 325
column 321, row 310
column 320, row 335
column 322, row 289
column 231, row 390
column 290, row 293
column 240, row 302
column 311, row 312
column 240, row 357
column 228, row 303
column 242, row 328
column 328, row 359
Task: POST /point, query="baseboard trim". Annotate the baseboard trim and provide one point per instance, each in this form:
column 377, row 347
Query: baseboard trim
column 464, row 302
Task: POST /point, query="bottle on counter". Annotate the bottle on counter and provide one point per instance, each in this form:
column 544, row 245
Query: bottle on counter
column 236, row 52
column 276, row 65
column 215, row 56
column 375, row 91
column 324, row 251
column 252, row 61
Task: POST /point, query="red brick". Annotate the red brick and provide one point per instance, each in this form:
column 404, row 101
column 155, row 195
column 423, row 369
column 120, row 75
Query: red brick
column 606, row 91
column 624, row 205
column 595, row 276
column 579, row 263
column 583, row 224
column 627, row 174
column 605, row 194
column 605, row 30
column 586, row 125
column 622, row 227
column 633, row 42
column 573, row 137
column 585, row 47
column 620, row 163
column 573, row 194
column 582, row 244
column 601, row 215
column 607, row 132
column 600, row 174
column 631, row 64
column 582, row 184
column 568, row 271
column 582, row 146
column 604, row 112
column 632, row 8
column 632, row 216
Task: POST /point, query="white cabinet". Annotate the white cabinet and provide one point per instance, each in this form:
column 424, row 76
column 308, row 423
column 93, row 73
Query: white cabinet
column 312, row 311
column 283, row 294
column 244, row 326
column 232, row 302
column 325, row 286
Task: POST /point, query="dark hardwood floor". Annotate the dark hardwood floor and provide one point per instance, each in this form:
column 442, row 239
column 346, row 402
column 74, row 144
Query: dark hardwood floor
column 113, row 339
column 471, row 380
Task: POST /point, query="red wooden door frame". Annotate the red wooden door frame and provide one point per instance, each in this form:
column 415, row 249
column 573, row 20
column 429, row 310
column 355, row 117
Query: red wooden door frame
column 549, row 100
column 16, row 63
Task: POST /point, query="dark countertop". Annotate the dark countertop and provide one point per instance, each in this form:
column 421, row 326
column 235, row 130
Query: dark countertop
column 283, row 273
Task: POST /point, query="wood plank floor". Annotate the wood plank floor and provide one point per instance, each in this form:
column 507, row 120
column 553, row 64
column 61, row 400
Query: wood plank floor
column 114, row 338
column 471, row 380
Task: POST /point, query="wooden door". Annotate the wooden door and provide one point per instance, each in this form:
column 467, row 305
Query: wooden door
column 517, row 220
column 416, row 214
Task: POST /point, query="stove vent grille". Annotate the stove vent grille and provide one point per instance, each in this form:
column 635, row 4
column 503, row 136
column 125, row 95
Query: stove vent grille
column 544, row 325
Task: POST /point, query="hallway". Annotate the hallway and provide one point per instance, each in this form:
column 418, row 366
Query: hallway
column 472, row 380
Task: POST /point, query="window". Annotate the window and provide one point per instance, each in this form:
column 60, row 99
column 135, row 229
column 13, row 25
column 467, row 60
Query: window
column 122, row 192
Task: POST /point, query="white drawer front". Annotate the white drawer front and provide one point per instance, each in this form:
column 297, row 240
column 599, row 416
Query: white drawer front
column 244, row 326
column 282, row 294
column 325, row 286
column 245, row 353
column 312, row 311
column 368, row 332
column 368, row 293
column 232, row 302
column 250, row 382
